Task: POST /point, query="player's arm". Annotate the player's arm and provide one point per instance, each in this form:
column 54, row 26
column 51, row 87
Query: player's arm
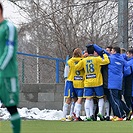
column 127, row 68
column 105, row 60
column 100, row 50
column 79, row 65
column 9, row 48
column 70, row 62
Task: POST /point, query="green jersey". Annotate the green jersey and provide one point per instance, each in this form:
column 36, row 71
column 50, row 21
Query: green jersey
column 8, row 49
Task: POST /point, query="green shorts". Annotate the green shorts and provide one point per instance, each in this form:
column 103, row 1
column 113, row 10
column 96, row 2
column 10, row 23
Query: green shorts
column 9, row 91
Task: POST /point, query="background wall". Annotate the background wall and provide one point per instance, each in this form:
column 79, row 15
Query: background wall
column 42, row 96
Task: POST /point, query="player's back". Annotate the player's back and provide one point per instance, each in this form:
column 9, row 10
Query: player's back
column 78, row 75
column 92, row 67
column 71, row 63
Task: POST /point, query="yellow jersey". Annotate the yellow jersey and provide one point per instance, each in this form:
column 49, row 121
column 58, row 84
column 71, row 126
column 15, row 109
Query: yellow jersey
column 77, row 77
column 92, row 67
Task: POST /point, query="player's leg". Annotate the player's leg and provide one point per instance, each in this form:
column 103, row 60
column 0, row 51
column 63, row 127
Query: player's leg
column 125, row 108
column 115, row 102
column 15, row 119
column 107, row 105
column 72, row 107
column 68, row 94
column 128, row 100
column 99, row 94
column 100, row 108
column 87, row 108
column 71, row 114
column 132, row 103
column 10, row 98
column 132, row 108
column 78, row 104
column 95, row 107
column 65, row 108
column 107, row 109
column 89, row 103
column 77, row 108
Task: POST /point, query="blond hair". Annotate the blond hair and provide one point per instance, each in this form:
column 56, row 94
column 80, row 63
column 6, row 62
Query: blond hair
column 77, row 52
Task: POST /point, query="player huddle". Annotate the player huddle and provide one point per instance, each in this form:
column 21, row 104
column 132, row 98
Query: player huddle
column 101, row 78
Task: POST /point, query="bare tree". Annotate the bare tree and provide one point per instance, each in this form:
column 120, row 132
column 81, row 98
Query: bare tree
column 55, row 27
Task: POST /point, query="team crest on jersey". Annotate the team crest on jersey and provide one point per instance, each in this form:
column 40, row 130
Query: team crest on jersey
column 90, row 76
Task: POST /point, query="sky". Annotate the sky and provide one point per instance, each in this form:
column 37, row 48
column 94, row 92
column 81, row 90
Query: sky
column 11, row 12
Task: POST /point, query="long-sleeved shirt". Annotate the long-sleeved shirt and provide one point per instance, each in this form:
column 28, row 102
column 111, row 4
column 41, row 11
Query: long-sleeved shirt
column 92, row 67
column 8, row 49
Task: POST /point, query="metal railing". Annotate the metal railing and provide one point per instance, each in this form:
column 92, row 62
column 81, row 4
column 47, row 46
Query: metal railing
column 57, row 60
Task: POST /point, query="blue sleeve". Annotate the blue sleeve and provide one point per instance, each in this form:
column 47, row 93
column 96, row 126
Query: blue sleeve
column 125, row 56
column 100, row 50
column 127, row 70
column 106, row 52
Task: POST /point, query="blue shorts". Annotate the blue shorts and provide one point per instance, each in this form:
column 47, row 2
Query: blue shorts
column 69, row 90
column 91, row 91
column 79, row 92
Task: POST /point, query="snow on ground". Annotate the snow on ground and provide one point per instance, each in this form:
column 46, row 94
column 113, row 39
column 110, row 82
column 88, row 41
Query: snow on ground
column 33, row 113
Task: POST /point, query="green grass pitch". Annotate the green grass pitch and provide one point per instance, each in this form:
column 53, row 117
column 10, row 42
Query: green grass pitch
column 45, row 126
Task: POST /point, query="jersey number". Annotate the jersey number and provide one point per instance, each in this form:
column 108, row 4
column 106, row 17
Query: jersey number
column 90, row 67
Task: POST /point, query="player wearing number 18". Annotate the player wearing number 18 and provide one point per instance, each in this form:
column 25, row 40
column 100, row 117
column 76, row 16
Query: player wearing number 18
column 93, row 80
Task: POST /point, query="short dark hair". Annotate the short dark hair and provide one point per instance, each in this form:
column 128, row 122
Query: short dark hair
column 117, row 49
column 1, row 8
column 130, row 51
column 90, row 49
column 109, row 47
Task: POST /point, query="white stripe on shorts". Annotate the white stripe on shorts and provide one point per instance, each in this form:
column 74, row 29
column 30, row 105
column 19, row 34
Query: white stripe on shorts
column 13, row 84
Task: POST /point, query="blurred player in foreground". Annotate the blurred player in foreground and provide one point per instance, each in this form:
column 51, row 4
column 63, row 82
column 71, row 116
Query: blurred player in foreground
column 9, row 88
